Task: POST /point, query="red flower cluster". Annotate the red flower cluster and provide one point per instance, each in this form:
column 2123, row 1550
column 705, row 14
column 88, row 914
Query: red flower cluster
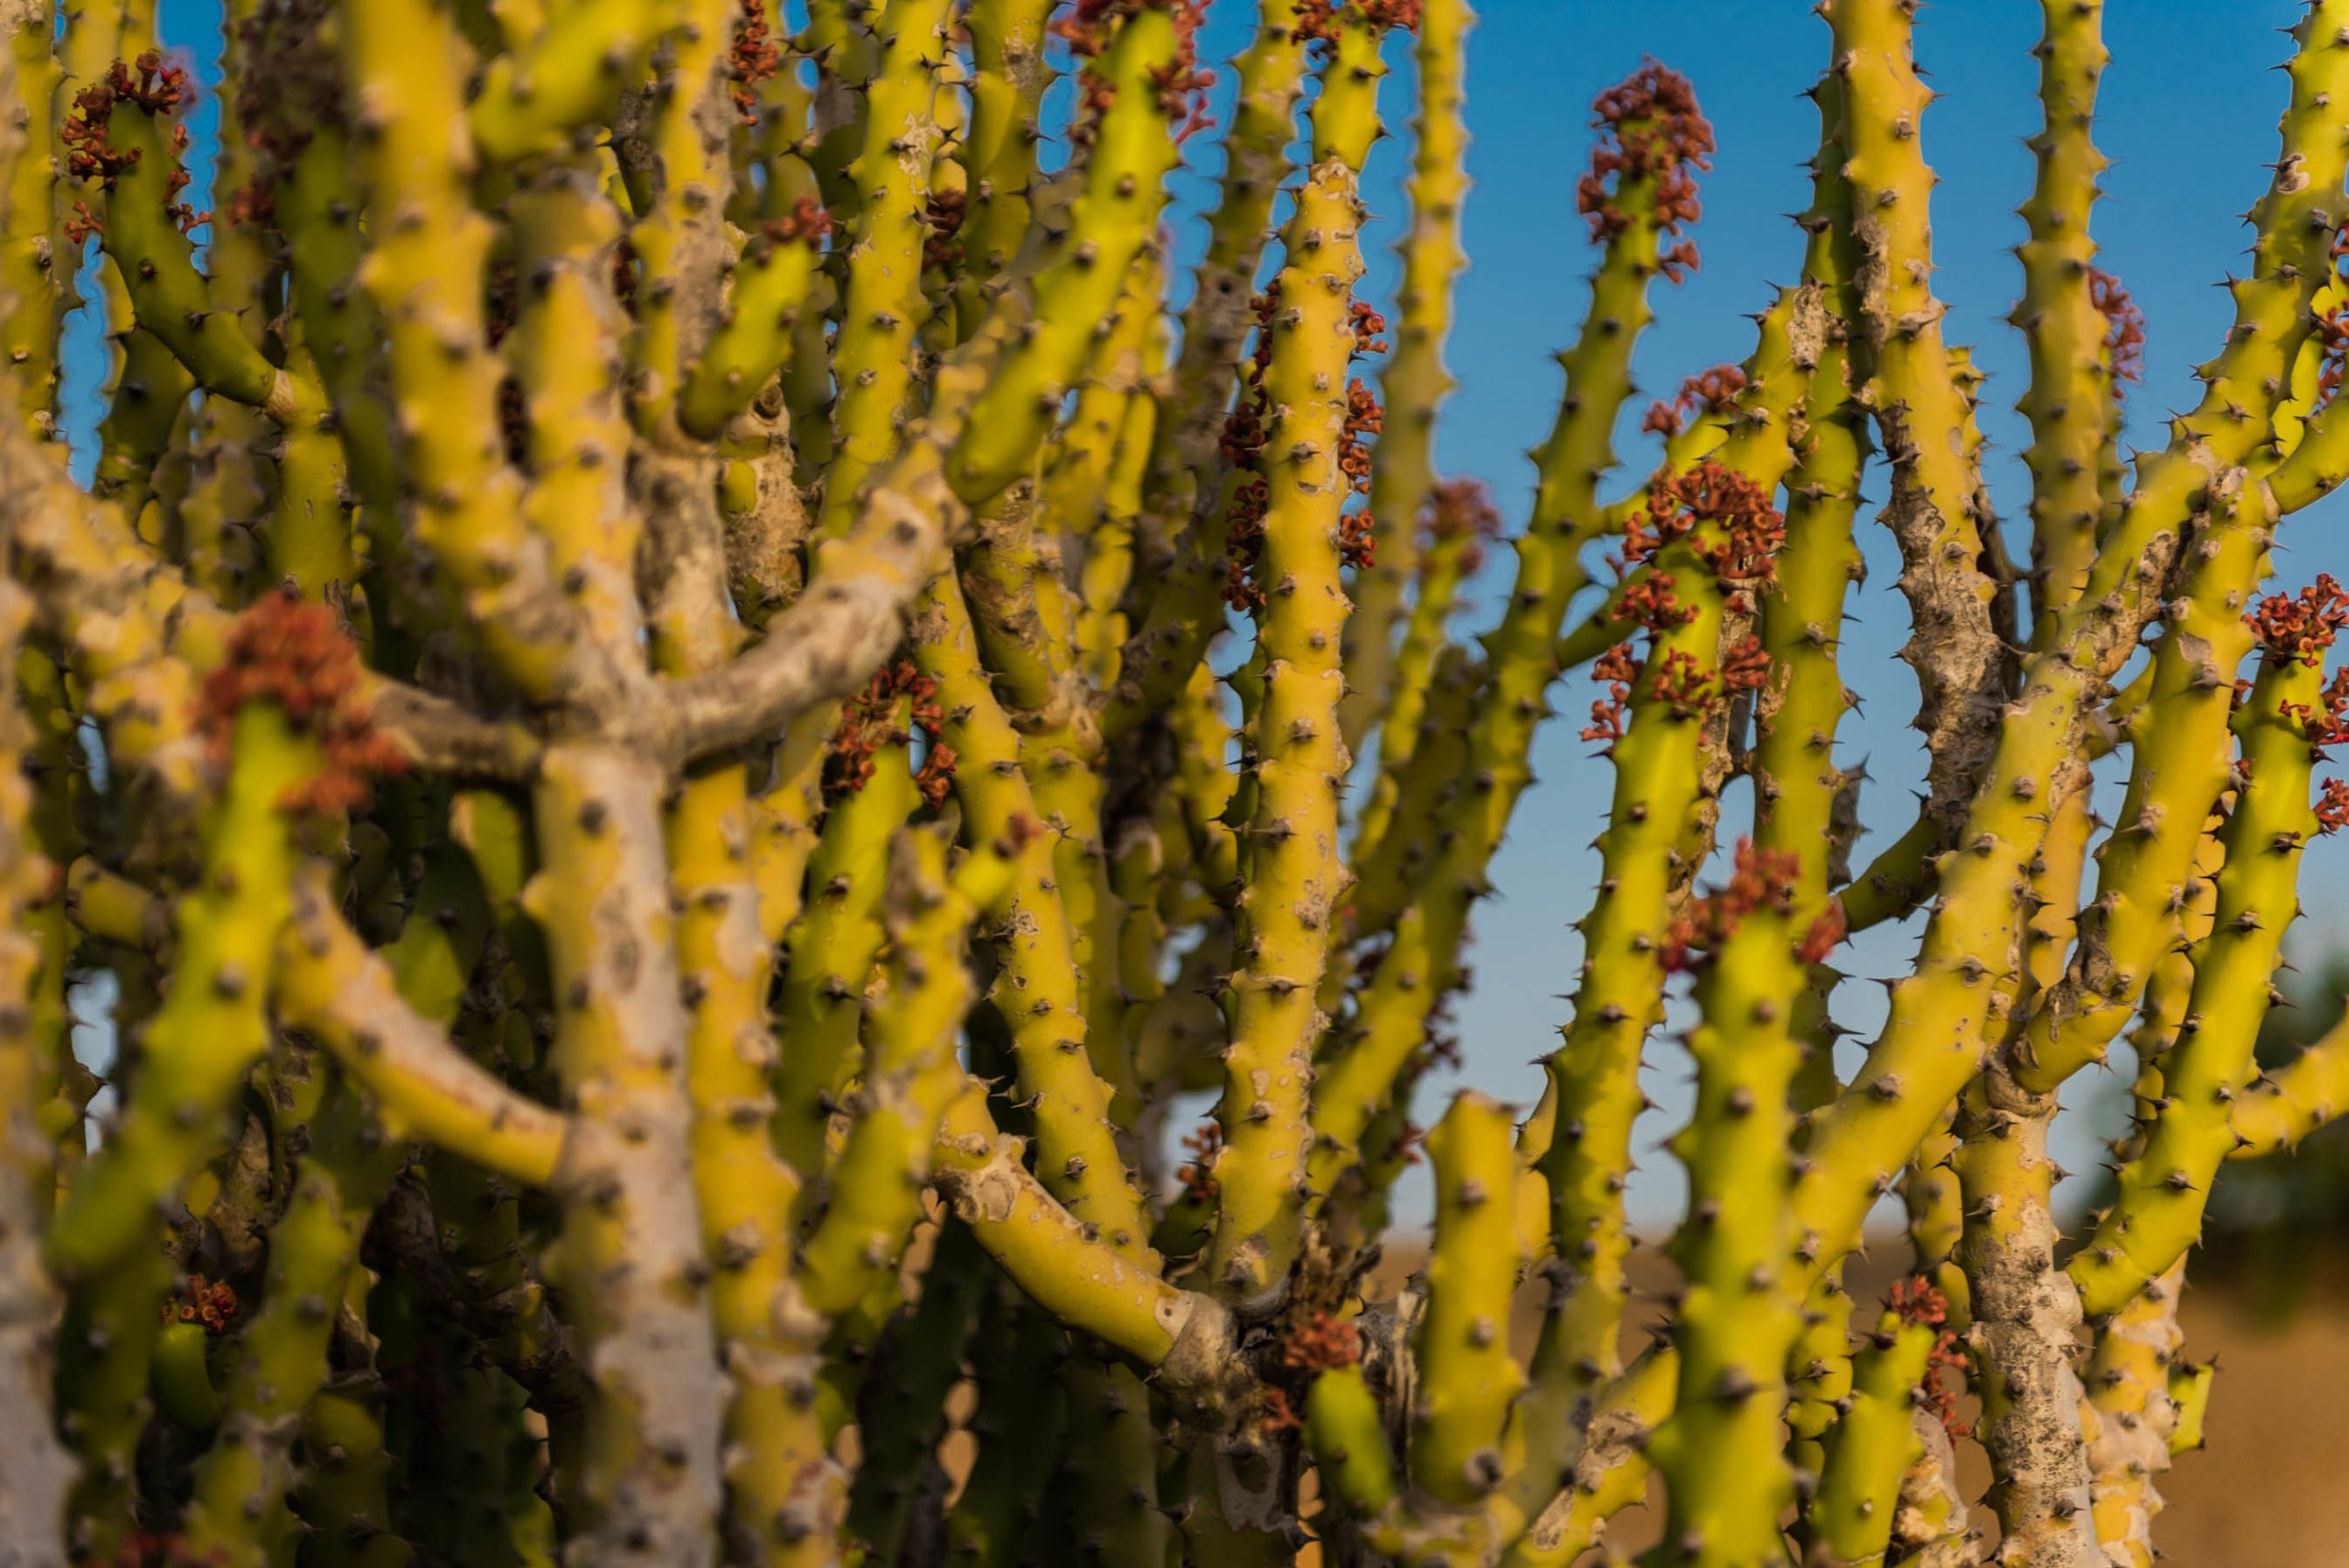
column 200, row 1300
column 868, row 722
column 1746, row 667
column 2332, row 343
column 1243, row 542
column 88, row 154
column 2125, row 333
column 1677, row 682
column 1918, row 1302
column 1683, row 685
column 1198, row 1174
column 83, row 224
column 2333, row 807
column 1461, row 508
column 1650, row 131
column 1317, row 20
column 157, row 90
column 294, row 655
column 1616, row 670
column 2303, row 628
column 1650, row 602
column 1181, row 86
column 752, row 57
column 2327, row 722
column 1246, row 428
column 1357, row 533
column 1711, row 390
column 1760, row 879
column 1245, row 431
column 806, row 224
column 1826, row 934
column 1363, row 418
column 1320, row 1342
column 1738, row 530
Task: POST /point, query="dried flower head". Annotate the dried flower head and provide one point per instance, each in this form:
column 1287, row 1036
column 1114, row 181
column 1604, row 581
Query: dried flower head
column 1318, row 21
column 1181, row 86
column 294, row 655
column 200, row 1299
column 2124, row 330
column 1760, row 879
column 1652, row 143
column 2300, row 627
column 1713, row 391
column 1461, row 510
column 752, row 57
column 2333, row 807
column 1322, row 1342
column 1737, row 532
column 1919, row 1303
column 157, row 90
column 869, row 723
column 1198, row 1174
column 941, row 248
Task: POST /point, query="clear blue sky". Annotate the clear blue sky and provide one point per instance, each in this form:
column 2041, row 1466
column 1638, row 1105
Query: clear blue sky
column 2187, row 116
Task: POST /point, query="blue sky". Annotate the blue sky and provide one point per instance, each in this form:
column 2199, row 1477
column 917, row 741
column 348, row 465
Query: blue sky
column 2187, row 116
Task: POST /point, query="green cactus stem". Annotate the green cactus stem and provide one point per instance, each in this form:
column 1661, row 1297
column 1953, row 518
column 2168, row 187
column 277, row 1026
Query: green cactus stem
column 881, row 304
column 2159, row 1212
column 2072, row 384
column 532, row 98
column 910, row 1071
column 899, row 1493
column 630, row 1256
column 1859, row 1140
column 36, row 266
column 1132, row 153
column 328, row 982
column 1874, row 1444
column 1414, row 383
column 1295, row 871
column 238, row 1512
column 1918, row 403
column 1169, row 642
column 2132, row 1418
column 1462, row 1350
column 1738, row 1321
column 2277, row 1110
column 212, row 1028
column 1077, row 1153
column 999, row 148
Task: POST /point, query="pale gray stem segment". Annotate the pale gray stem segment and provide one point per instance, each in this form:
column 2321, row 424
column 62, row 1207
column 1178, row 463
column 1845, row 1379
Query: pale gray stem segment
column 440, row 736
column 629, row 1258
column 2130, row 1422
column 2025, row 1334
column 36, row 1472
column 1931, row 1528
column 826, row 646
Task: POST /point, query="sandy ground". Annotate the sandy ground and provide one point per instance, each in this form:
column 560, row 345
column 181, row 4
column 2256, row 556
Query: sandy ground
column 2272, row 1489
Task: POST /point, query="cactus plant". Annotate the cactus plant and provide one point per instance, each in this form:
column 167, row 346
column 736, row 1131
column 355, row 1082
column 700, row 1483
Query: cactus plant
column 685, row 702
